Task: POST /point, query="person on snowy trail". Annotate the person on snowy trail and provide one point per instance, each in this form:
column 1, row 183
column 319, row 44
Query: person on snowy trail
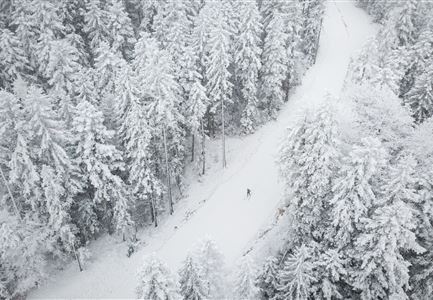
column 248, row 193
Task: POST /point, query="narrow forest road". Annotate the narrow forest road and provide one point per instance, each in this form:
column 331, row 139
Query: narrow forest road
column 226, row 215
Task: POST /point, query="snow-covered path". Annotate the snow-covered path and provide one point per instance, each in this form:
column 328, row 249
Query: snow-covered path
column 226, row 215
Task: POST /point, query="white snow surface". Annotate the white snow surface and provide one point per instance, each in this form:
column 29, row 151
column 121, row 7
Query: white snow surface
column 226, row 215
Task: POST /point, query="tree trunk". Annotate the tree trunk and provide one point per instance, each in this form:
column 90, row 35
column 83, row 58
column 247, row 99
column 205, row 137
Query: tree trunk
column 224, row 135
column 77, row 258
column 192, row 147
column 153, row 211
column 167, row 171
column 203, row 151
column 17, row 212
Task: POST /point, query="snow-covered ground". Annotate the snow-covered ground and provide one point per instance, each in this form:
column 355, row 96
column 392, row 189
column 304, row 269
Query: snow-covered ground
column 217, row 204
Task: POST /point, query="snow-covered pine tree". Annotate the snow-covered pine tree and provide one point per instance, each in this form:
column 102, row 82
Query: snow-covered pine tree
column 245, row 286
column 212, row 264
column 297, row 276
column 247, row 62
column 99, row 160
column 22, row 249
column 162, row 100
column 96, row 25
column 331, row 270
column 308, row 164
column 379, row 113
column 192, row 285
column 155, row 281
column 218, row 59
column 136, row 136
column 198, row 103
column 86, row 89
column 62, row 73
column 108, row 66
column 382, row 271
column 172, row 28
column 421, row 281
column 420, row 97
column 354, row 191
column 267, row 280
column 45, row 17
column 312, row 10
column 120, row 31
column 274, row 64
column 406, row 23
column 13, row 61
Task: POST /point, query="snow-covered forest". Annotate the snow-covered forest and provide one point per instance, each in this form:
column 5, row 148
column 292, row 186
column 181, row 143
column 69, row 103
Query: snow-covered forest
column 132, row 129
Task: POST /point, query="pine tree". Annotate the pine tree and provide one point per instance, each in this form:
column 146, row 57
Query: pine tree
column 136, row 134
column 192, row 285
column 22, row 248
column 198, row 103
column 313, row 14
column 13, row 61
column 405, row 26
column 219, row 87
column 274, row 63
column 267, row 280
column 62, row 71
column 379, row 113
column 297, row 277
column 331, row 268
column 156, row 282
column 173, row 29
column 162, row 103
column 245, row 287
column 98, row 160
column 211, row 261
column 308, row 163
column 247, row 62
column 96, row 24
column 420, row 97
column 353, row 191
column 382, row 271
column 121, row 34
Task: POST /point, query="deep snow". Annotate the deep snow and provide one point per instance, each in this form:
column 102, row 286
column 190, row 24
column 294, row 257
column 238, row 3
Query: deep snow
column 226, row 215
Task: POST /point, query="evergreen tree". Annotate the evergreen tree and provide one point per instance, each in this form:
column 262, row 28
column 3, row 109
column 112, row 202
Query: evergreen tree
column 245, row 287
column 353, row 191
column 247, row 62
column 121, row 34
column 313, row 14
column 22, row 255
column 96, row 24
column 420, row 97
column 162, row 103
column 308, row 163
column 198, row 102
column 13, row 61
column 382, row 271
column 99, row 160
column 219, row 87
column 267, row 280
column 331, row 268
column 192, row 286
column 274, row 62
column 405, row 26
column 136, row 134
column 212, row 264
column 173, row 29
column 297, row 277
column 156, row 282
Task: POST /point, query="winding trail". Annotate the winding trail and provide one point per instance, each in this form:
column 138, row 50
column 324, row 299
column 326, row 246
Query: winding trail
column 226, row 215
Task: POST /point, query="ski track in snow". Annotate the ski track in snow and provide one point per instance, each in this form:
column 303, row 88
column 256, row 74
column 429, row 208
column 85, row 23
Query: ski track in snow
column 231, row 220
